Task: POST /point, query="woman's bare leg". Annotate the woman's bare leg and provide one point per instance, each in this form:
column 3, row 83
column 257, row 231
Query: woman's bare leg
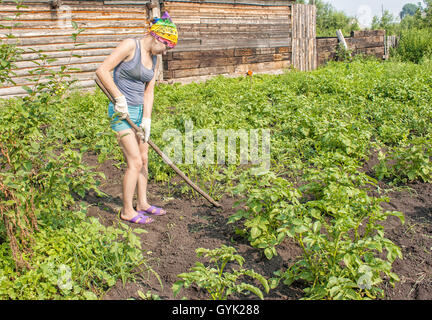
column 131, row 151
column 143, row 177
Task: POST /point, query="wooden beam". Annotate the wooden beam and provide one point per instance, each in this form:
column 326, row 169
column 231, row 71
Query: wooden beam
column 341, row 38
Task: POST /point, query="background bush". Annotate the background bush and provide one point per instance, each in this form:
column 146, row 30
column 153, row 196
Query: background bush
column 415, row 45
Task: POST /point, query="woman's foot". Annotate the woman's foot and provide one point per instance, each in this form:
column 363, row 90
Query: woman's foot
column 139, row 218
column 151, row 210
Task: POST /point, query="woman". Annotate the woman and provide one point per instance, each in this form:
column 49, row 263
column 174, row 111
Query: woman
column 132, row 86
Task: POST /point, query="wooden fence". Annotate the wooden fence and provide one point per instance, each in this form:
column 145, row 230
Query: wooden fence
column 43, row 27
column 368, row 42
column 390, row 42
column 304, row 47
column 232, row 38
column 227, row 37
column 216, row 37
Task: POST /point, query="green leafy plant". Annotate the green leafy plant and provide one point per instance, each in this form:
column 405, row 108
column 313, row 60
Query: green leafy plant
column 407, row 162
column 9, row 51
column 415, row 45
column 266, row 202
column 148, row 295
column 49, row 84
column 316, row 193
column 50, row 250
column 336, row 251
column 31, row 158
column 79, row 259
column 343, row 54
column 219, row 283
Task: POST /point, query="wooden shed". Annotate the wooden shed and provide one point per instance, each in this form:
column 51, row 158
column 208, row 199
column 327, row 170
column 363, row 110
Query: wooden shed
column 215, row 36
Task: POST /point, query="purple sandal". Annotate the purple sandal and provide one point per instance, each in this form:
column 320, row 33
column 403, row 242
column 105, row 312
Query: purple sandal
column 140, row 219
column 152, row 210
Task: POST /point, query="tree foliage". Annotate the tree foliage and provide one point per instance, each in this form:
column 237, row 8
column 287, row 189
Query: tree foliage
column 386, row 22
column 329, row 19
column 415, row 34
column 408, row 9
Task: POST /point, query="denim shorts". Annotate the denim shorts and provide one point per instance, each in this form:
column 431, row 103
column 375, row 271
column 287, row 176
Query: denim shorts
column 135, row 114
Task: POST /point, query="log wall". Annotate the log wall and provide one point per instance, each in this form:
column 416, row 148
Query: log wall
column 215, row 37
column 187, row 65
column 368, row 42
column 228, row 38
column 49, row 29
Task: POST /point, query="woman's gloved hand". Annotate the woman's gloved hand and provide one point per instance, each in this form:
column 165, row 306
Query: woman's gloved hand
column 121, row 106
column 145, row 125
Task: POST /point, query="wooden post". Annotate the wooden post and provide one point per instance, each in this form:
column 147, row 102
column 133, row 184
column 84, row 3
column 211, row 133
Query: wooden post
column 155, row 12
column 386, row 48
column 342, row 38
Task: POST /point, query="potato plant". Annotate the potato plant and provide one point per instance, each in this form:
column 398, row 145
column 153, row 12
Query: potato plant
column 325, row 126
column 216, row 279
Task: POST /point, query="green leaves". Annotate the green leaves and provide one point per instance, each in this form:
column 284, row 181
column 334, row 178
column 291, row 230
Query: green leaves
column 218, row 282
column 330, row 120
column 410, row 161
column 177, row 286
column 77, row 261
column 42, row 140
column 324, row 126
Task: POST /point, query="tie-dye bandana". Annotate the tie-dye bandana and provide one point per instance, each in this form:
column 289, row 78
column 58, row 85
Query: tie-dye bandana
column 164, row 30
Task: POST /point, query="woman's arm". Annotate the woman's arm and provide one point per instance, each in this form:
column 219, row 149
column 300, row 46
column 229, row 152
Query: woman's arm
column 121, row 52
column 149, row 95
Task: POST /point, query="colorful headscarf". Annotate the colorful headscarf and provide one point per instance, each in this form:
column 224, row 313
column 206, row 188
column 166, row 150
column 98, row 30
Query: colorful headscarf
column 164, row 30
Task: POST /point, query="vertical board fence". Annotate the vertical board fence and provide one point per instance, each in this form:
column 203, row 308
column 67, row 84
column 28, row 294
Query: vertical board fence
column 390, row 42
column 304, row 48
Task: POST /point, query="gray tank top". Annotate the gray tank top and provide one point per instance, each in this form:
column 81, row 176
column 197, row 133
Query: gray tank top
column 131, row 77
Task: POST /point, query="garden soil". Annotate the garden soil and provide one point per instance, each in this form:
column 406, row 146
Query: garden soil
column 171, row 240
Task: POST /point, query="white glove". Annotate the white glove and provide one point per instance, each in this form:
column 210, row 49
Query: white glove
column 145, row 125
column 121, row 106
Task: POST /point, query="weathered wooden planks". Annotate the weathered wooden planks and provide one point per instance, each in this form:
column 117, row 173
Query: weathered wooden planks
column 304, row 37
column 215, row 37
column 367, row 33
column 227, row 70
column 223, row 61
column 232, row 37
column 369, row 42
column 42, row 28
column 225, row 23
